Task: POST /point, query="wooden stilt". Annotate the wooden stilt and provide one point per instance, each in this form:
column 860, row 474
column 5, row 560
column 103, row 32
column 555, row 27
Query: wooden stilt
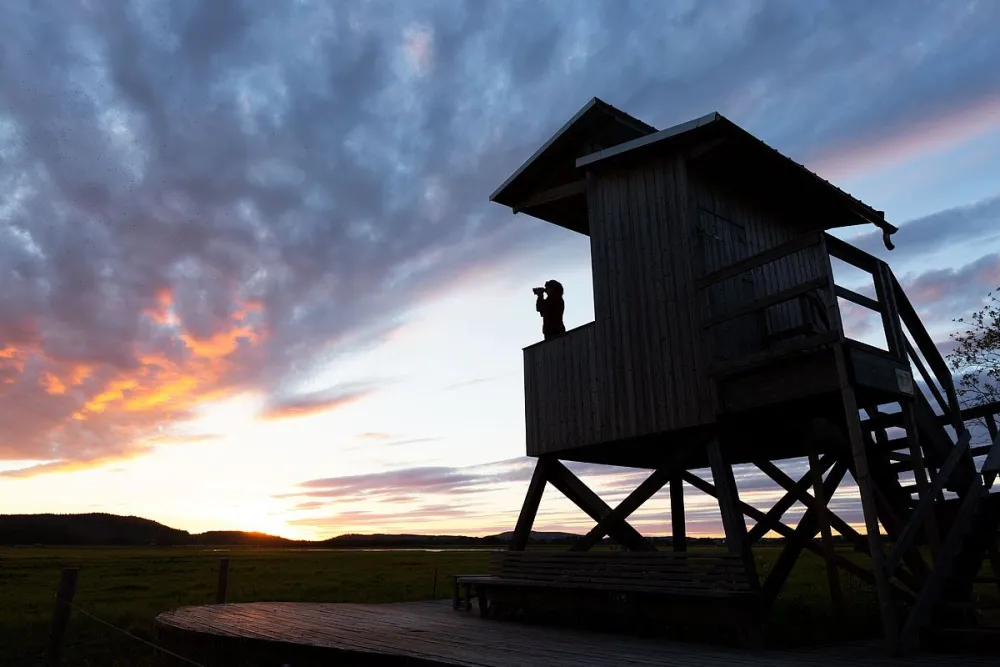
column 890, row 623
column 994, row 551
column 729, row 504
column 920, row 475
column 522, row 531
column 677, row 521
column 823, row 519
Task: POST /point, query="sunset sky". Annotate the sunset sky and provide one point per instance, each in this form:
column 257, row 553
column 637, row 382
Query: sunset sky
column 251, row 278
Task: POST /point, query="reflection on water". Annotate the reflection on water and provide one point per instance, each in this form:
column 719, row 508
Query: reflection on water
column 432, row 550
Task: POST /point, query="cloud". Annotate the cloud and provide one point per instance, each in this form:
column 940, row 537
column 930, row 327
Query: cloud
column 941, row 294
column 286, row 407
column 975, row 223
column 372, row 521
column 458, row 496
column 468, row 383
column 214, row 198
column 936, row 129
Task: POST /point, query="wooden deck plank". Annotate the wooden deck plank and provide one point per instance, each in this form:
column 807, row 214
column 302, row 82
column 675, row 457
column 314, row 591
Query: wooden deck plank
column 433, row 632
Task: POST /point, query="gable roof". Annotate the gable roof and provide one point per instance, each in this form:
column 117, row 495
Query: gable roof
column 737, row 153
column 550, row 186
column 595, row 126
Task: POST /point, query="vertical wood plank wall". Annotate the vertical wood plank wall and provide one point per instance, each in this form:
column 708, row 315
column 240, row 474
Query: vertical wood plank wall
column 647, row 327
column 560, row 388
column 731, row 227
column 643, row 366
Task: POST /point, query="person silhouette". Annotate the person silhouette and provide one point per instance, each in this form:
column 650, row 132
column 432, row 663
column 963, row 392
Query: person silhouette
column 549, row 304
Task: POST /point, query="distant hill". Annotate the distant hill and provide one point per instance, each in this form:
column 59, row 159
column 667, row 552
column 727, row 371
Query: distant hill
column 540, row 536
column 238, row 538
column 114, row 530
column 86, row 530
column 100, row 529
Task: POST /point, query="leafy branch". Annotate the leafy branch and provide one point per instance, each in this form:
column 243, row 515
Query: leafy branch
column 976, row 357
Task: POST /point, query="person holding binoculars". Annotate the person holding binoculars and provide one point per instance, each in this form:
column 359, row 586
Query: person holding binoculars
column 549, row 304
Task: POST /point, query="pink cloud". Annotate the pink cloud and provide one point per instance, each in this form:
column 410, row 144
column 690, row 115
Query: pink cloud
column 924, row 136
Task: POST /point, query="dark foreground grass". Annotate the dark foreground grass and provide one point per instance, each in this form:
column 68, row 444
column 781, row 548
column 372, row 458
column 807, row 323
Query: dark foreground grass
column 128, row 587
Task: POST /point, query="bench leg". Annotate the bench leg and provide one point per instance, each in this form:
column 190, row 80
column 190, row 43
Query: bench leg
column 455, row 597
column 484, row 607
column 747, row 625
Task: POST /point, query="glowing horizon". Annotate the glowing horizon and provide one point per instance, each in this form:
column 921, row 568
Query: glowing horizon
column 253, row 280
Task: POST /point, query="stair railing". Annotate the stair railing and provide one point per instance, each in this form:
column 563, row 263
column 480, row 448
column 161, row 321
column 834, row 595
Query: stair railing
column 930, row 352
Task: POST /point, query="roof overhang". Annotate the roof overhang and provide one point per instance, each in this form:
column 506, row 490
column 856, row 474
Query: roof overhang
column 548, row 185
column 717, row 143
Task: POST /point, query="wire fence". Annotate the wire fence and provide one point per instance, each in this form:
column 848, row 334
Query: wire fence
column 156, row 647
column 65, row 607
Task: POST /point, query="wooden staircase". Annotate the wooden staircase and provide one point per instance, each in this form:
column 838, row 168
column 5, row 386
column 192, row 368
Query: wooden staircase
column 938, row 501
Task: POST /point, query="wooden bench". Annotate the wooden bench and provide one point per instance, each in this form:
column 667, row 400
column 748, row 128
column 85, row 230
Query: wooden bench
column 637, row 581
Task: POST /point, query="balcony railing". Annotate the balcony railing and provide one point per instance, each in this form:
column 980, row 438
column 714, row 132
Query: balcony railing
column 560, row 392
column 906, row 338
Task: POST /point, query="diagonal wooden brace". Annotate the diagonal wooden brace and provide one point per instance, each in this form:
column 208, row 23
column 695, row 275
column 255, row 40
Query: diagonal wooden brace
column 858, row 541
column 786, row 502
column 588, row 501
column 790, row 534
column 805, row 532
column 634, row 501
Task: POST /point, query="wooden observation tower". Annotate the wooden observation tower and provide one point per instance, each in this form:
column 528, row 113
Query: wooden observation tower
column 718, row 340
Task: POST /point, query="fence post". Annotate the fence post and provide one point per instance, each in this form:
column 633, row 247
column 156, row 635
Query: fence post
column 223, row 585
column 60, row 615
column 434, row 595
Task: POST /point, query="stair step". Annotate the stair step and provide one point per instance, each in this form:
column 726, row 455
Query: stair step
column 981, row 605
column 967, row 639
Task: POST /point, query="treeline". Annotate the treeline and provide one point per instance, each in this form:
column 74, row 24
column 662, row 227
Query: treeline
column 100, row 529
column 114, row 530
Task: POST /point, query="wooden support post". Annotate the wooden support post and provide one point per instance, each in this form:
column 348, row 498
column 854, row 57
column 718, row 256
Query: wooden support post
column 894, row 337
column 920, row 475
column 822, row 517
column 921, row 611
column 434, row 586
column 991, row 426
column 994, row 551
column 60, row 615
column 222, row 586
column 533, row 498
column 991, row 465
column 678, row 525
column 729, row 504
column 890, row 623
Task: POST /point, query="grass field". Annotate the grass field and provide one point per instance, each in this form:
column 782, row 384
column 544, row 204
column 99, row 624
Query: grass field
column 128, row 587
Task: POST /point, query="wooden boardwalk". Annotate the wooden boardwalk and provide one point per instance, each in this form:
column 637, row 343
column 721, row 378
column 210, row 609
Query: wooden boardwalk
column 432, row 633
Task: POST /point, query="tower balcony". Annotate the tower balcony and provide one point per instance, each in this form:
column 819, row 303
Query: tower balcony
column 772, row 345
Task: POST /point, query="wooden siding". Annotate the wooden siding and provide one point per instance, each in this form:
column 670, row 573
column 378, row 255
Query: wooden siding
column 731, row 227
column 560, row 390
column 649, row 366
